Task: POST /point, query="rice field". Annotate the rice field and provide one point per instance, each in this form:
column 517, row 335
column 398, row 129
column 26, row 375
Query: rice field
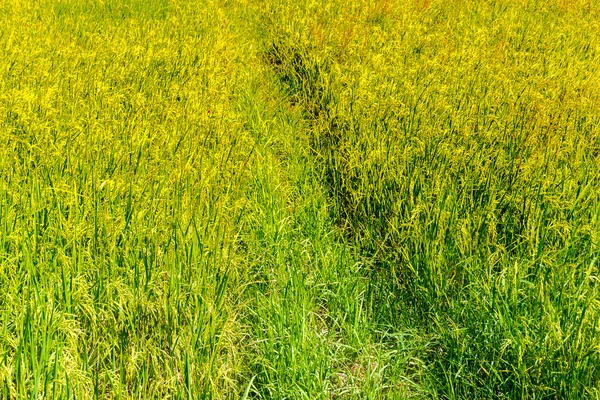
column 378, row 199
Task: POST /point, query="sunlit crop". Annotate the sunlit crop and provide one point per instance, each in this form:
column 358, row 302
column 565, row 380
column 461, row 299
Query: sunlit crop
column 299, row 200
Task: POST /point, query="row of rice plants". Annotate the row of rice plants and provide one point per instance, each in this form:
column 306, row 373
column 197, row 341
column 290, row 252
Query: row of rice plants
column 460, row 144
column 120, row 190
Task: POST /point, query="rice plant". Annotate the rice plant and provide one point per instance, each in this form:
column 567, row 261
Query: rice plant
column 299, row 200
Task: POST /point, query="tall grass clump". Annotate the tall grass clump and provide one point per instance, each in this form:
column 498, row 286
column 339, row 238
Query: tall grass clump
column 119, row 198
column 460, row 146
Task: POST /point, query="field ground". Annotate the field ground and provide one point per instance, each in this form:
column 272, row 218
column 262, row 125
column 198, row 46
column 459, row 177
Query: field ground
column 378, row 199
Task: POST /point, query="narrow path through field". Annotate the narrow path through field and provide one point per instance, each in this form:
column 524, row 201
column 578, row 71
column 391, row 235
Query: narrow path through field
column 312, row 332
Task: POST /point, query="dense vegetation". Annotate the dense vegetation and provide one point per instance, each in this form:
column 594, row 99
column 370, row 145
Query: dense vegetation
column 282, row 199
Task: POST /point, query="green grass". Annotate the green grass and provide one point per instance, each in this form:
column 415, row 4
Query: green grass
column 299, row 200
